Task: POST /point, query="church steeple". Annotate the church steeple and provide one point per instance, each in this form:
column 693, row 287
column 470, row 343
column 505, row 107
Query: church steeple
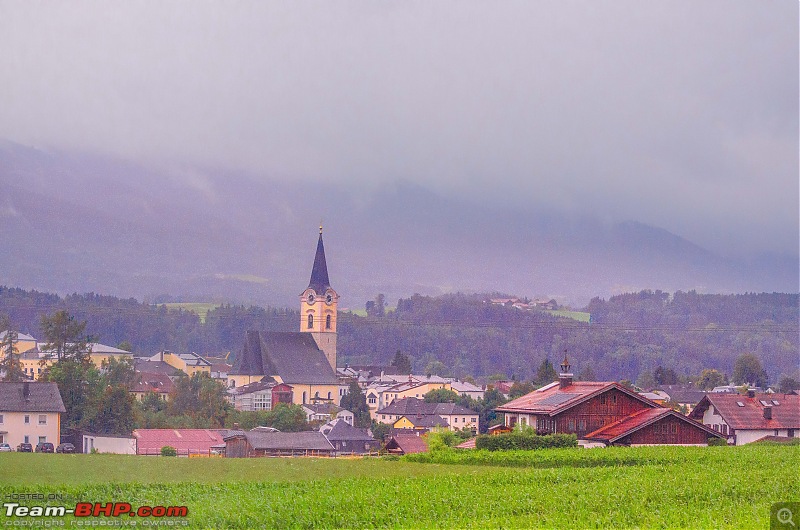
column 318, row 305
column 319, row 272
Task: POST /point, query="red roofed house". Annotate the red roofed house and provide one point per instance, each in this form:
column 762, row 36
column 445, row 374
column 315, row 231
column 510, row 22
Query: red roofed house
column 405, row 444
column 186, row 441
column 745, row 419
column 602, row 412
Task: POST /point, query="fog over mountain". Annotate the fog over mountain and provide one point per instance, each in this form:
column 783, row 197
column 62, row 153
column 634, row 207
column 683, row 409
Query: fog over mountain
column 78, row 223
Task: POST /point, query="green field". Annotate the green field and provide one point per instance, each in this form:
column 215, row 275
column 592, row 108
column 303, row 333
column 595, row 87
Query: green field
column 580, row 316
column 201, row 308
column 648, row 487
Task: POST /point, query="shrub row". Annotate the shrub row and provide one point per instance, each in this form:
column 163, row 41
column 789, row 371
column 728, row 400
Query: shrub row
column 524, row 440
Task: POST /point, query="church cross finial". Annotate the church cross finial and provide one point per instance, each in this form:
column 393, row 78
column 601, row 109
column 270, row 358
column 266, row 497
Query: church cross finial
column 320, row 228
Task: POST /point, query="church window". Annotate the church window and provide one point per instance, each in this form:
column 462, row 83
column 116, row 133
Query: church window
column 304, row 397
column 329, row 395
column 310, row 321
column 328, row 322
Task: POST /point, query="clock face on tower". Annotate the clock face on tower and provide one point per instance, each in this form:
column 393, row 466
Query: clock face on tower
column 310, row 298
column 329, row 298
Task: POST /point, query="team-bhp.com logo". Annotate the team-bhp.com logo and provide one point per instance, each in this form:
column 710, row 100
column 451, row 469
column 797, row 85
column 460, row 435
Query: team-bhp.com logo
column 96, row 509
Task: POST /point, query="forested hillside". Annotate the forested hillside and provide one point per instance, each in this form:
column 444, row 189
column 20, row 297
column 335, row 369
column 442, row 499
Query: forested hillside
column 629, row 335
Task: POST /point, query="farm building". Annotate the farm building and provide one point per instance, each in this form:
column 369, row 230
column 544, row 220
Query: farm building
column 348, row 439
column 406, row 444
column 606, row 411
column 243, row 444
column 747, row 418
column 185, row 441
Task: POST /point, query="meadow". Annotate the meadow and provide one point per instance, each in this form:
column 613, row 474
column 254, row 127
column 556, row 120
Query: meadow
column 647, row 487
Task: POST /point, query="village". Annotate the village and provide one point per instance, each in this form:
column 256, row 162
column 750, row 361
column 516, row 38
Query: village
column 300, row 369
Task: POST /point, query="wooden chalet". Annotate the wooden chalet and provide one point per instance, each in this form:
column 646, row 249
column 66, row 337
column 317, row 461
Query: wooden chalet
column 405, row 444
column 603, row 412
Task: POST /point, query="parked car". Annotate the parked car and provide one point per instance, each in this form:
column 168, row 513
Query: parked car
column 5, row 448
column 65, row 448
column 45, row 447
column 24, row 448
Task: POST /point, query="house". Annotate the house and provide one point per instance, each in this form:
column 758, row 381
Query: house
column 30, row 412
column 35, row 360
column 156, row 383
column 306, row 359
column 188, row 363
column 607, row 411
column 421, row 423
column 413, row 409
column 406, row 444
column 685, row 396
column 185, row 441
column 244, row 444
column 747, row 418
column 464, row 388
column 261, row 395
column 22, row 343
column 348, row 439
column 324, row 412
column 653, row 426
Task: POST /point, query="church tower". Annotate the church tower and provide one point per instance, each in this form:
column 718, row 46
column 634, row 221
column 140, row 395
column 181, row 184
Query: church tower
column 318, row 306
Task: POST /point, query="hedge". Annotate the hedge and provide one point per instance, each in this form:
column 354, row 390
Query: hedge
column 524, row 440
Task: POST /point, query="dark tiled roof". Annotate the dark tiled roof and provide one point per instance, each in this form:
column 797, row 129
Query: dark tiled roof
column 30, row 397
column 412, row 407
column 683, row 393
column 293, row 356
column 638, row 420
column 264, row 384
column 785, row 415
column 342, row 430
column 298, row 359
column 152, row 382
column 306, row 440
column 553, row 400
column 154, row 367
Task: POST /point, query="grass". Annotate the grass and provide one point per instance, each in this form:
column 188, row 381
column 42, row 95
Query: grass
column 647, row 487
column 580, row 316
column 201, row 308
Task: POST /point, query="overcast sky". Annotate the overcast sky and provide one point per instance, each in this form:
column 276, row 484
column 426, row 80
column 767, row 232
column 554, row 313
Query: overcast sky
column 680, row 114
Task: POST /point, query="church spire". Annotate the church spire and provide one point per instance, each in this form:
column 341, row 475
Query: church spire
column 319, row 273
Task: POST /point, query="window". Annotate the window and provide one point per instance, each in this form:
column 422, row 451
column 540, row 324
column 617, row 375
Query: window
column 1, row 418
column 310, row 321
column 372, row 400
column 673, row 428
column 233, row 383
column 27, row 419
column 42, row 419
column 724, row 428
column 262, row 401
column 614, row 399
column 603, row 400
column 304, row 397
column 329, row 395
column 328, row 322
column 27, row 439
column 738, row 404
column 42, row 439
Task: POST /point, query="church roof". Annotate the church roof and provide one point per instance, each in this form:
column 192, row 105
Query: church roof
column 319, row 273
column 293, row 356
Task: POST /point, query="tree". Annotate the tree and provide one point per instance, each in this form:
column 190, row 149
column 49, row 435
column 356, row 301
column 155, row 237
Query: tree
column 199, row 397
column 402, row 362
column 441, row 395
column 587, row 374
column 377, row 307
column 64, row 336
column 546, row 373
column 125, row 345
column 80, row 385
column 356, row 402
column 435, row 368
column 119, row 372
column 519, row 389
column 10, row 365
column 665, row 376
column 788, row 384
column 748, row 370
column 287, row 418
column 114, row 413
column 710, row 378
column 380, row 430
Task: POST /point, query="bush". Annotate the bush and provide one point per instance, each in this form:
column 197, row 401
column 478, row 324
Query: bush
column 169, row 451
column 525, row 439
column 717, row 442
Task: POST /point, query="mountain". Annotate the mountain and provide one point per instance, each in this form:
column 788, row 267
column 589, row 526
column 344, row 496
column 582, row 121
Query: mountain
column 79, row 223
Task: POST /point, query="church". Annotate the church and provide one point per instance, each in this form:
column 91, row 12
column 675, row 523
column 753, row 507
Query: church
column 305, row 359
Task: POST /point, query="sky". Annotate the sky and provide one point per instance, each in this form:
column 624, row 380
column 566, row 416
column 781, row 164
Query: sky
column 679, row 114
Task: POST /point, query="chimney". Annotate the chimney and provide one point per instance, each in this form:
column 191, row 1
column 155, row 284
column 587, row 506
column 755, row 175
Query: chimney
column 767, row 413
column 235, row 426
column 26, row 390
column 751, row 393
column 565, row 377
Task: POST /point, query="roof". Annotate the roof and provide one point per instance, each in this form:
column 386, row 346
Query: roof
column 552, row 399
column 152, row 440
column 265, row 384
column 323, row 408
column 750, row 414
column 152, row 382
column 20, row 336
column 638, row 420
column 192, row 359
column 305, row 440
column 407, row 444
column 30, row 397
column 293, row 356
column 427, row 421
column 103, row 349
column 319, row 272
column 683, row 393
column 341, row 430
column 413, row 407
column 152, row 367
